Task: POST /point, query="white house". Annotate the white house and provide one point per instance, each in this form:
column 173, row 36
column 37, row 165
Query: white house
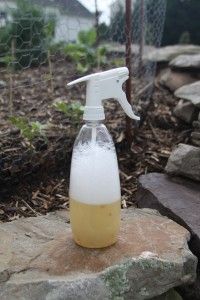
column 71, row 16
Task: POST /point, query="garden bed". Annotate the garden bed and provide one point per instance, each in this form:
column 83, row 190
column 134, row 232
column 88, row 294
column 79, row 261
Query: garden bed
column 34, row 176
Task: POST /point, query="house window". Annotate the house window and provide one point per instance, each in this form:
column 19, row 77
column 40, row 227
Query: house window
column 3, row 18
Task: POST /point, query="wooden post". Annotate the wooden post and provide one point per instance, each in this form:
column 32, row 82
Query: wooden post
column 97, row 21
column 128, row 14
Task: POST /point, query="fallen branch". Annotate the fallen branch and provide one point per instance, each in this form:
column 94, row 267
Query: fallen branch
column 29, row 207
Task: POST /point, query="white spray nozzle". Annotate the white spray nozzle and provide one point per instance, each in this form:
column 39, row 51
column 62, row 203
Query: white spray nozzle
column 101, row 86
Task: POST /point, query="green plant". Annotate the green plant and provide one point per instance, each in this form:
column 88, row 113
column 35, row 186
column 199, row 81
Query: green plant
column 118, row 62
column 57, row 48
column 73, row 111
column 5, row 39
column 84, row 53
column 29, row 130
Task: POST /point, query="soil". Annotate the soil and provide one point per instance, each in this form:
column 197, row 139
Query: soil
column 34, row 176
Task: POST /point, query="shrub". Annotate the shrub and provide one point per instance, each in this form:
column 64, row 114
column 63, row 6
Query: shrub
column 84, row 53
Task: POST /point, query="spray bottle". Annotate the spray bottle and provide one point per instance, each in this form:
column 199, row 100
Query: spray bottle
column 95, row 196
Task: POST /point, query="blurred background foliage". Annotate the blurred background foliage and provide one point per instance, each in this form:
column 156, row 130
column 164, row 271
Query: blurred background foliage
column 182, row 23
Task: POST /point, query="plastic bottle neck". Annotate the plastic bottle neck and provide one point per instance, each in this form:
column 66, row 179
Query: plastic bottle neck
column 93, row 123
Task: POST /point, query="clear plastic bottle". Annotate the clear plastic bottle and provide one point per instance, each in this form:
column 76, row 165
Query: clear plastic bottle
column 94, row 181
column 95, row 195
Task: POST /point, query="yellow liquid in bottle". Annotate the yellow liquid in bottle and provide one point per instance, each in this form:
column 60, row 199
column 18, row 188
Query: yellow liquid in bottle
column 95, row 226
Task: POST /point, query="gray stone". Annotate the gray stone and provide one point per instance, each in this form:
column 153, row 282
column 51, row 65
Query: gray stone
column 166, row 54
column 190, row 92
column 120, row 49
column 196, row 124
column 186, row 61
column 39, row 260
column 3, row 84
column 185, row 111
column 195, row 135
column 170, row 295
column 179, row 199
column 175, row 79
column 185, row 161
column 175, row 197
column 195, row 142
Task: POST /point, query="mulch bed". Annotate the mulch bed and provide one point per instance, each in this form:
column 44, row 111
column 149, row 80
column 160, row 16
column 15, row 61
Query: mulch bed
column 34, row 179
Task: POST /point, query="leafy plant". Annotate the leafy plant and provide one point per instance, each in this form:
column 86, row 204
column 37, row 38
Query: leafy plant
column 73, row 111
column 29, row 130
column 84, row 53
column 88, row 38
column 118, row 62
column 57, row 48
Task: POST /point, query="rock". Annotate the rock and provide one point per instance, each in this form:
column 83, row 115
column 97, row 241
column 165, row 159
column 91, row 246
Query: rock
column 196, row 124
column 195, row 135
column 170, row 295
column 3, row 84
column 195, row 142
column 39, row 260
column 174, row 79
column 179, row 199
column 166, row 54
column 190, row 92
column 117, row 48
column 185, row 161
column 185, row 111
column 186, row 62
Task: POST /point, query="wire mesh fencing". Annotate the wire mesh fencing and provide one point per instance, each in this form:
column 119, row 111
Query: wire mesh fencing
column 43, row 45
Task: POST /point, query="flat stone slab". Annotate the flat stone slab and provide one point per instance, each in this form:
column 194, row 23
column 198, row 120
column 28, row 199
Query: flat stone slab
column 176, row 198
column 166, row 54
column 121, row 49
column 190, row 92
column 39, row 260
column 186, row 62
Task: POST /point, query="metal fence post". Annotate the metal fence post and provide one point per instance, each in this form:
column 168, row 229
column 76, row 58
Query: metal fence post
column 97, row 21
column 128, row 15
column 141, row 49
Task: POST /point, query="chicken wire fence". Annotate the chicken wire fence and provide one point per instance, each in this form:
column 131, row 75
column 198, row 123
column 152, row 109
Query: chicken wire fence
column 43, row 45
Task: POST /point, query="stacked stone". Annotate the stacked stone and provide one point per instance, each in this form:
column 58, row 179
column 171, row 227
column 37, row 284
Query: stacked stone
column 189, row 111
column 181, row 75
column 195, row 135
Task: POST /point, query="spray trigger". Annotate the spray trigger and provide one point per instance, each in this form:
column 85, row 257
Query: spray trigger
column 102, row 86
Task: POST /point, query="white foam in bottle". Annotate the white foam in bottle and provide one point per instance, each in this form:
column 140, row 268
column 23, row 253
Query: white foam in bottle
column 94, row 175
